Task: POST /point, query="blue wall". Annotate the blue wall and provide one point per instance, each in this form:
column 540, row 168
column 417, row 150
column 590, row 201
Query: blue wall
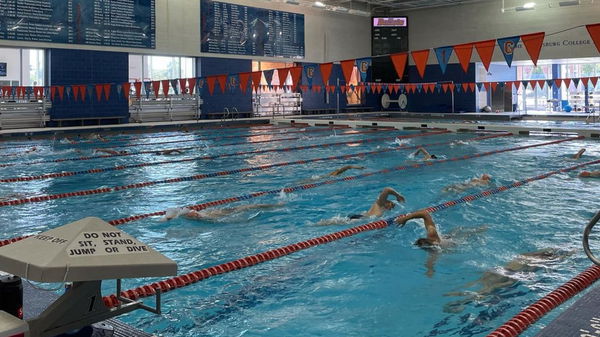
column 207, row 66
column 315, row 100
column 68, row 67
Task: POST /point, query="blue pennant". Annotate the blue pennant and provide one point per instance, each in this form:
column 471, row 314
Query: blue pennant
column 363, row 67
column 443, row 56
column 269, row 76
column 233, row 81
column 175, row 86
column 525, row 84
column 479, row 86
column 576, row 81
column 148, row 88
column 458, row 87
column 507, row 46
column 419, row 87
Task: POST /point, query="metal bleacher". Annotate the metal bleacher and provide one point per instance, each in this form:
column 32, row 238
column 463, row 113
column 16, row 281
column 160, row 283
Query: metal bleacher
column 20, row 114
column 171, row 108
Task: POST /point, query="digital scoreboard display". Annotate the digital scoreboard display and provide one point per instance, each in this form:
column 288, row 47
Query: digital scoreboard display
column 122, row 23
column 389, row 35
column 3, row 69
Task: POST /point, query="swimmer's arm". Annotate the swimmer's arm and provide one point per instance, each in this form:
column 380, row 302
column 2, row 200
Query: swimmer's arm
column 386, row 193
column 423, row 151
column 344, row 169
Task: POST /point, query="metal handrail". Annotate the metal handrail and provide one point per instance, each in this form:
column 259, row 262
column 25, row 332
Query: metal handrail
column 586, row 234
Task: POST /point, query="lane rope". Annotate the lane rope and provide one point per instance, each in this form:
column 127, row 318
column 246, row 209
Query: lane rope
column 60, row 160
column 205, row 205
column 173, row 283
column 520, row 322
column 233, row 154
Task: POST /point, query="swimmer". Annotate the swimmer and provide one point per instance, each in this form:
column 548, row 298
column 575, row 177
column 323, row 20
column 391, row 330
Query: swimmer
column 380, row 206
column 68, row 140
column 427, row 155
column 494, row 281
column 111, row 152
column 483, row 180
column 588, row 174
column 168, row 152
column 213, row 215
column 434, row 243
column 344, row 169
column 96, row 136
column 33, row 149
column 578, row 154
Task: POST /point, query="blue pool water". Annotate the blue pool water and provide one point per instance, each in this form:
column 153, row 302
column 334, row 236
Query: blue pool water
column 373, row 284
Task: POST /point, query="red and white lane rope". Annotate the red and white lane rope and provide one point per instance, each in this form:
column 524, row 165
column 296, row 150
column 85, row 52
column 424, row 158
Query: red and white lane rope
column 520, row 322
column 60, row 160
column 202, row 274
column 205, row 205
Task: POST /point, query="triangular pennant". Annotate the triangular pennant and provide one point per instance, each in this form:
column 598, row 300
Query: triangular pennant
column 309, row 73
column 138, row 89
column 517, row 84
column 283, row 75
column 82, row 91
column 343, row 88
column 419, row 87
column 443, row 56
column 326, row 71
column 107, row 89
column 119, row 89
column 451, row 86
column 540, row 83
column 347, row 69
column 420, row 58
column 269, row 76
column 533, row 43
column 75, row 92
column 256, row 77
column 52, row 92
column 507, row 47
column 99, row 88
column 244, row 78
column 399, row 61
column 464, row 52
column 296, row 73
column 175, row 86
column 509, row 86
column 363, row 66
column 486, row 85
column 576, row 82
column 211, row 80
column 147, row 88
column 61, row 92
column 156, row 88
column 525, row 84
column 594, row 31
column 182, row 85
column 472, row 86
column 68, row 91
column 465, row 86
column 222, row 79
column 586, row 81
column 594, row 81
column 493, row 85
column 233, row 82
column 192, row 84
column 557, row 82
column 485, row 49
column 550, row 83
column 567, row 82
column 165, row 87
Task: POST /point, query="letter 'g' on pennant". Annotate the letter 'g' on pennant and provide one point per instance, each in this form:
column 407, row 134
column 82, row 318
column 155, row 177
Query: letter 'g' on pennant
column 443, row 56
column 420, row 57
column 533, row 43
column 507, row 46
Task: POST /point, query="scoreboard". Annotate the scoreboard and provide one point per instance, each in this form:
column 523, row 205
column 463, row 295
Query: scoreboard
column 389, row 35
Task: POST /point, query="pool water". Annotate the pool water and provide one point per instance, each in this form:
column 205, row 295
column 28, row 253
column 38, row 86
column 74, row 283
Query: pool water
column 372, row 284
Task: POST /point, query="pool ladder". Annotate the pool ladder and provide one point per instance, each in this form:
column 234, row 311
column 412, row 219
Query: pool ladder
column 586, row 237
column 229, row 114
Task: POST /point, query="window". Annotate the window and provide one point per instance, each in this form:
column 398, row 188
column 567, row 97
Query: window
column 156, row 68
column 24, row 67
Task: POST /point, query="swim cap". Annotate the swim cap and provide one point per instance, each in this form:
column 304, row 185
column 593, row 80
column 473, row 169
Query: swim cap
column 585, row 174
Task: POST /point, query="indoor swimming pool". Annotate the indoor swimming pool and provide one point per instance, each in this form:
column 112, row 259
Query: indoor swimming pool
column 376, row 283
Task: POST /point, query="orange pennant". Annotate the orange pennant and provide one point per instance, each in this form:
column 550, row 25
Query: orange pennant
column 509, row 86
column 138, row 89
column 594, row 31
column 399, row 61
column 256, row 78
column 75, row 92
column 244, row 78
column 465, row 86
column 464, row 52
column 558, row 82
column 156, row 88
column 107, row 88
column 517, row 84
column 451, row 86
column 82, row 90
column 533, row 43
column 594, row 81
column 347, row 69
column 326, row 72
column 182, row 84
column 211, row 80
column 222, row 82
column 494, row 85
column 283, row 74
column 420, row 57
column 472, row 86
column 445, row 87
column 296, row 73
column 126, row 89
column 192, row 85
column 485, row 49
column 567, row 82
column 99, row 92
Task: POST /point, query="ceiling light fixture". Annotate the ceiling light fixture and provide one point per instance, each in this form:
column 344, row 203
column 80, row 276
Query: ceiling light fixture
column 529, row 5
column 319, row 4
